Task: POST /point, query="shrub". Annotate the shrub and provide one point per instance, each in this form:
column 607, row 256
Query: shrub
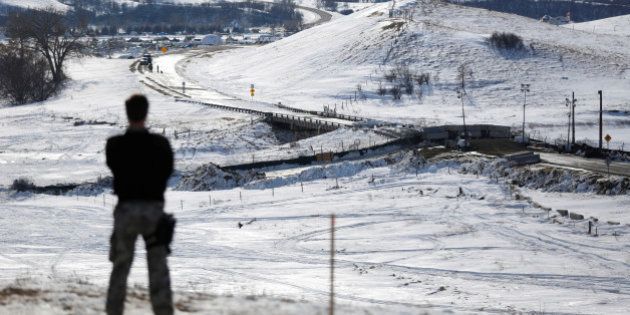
column 406, row 79
column 346, row 11
column 25, row 76
column 396, row 92
column 391, row 76
column 423, row 79
column 507, row 41
column 22, row 184
column 381, row 89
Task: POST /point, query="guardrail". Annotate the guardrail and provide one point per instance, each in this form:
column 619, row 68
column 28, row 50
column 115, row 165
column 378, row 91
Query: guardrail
column 322, row 114
column 308, row 123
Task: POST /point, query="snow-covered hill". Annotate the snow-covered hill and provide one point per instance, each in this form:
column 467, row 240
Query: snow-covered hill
column 324, row 65
column 618, row 25
column 35, row 4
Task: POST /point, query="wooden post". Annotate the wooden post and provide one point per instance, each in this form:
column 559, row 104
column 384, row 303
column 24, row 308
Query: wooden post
column 331, row 307
column 590, row 225
column 302, row 185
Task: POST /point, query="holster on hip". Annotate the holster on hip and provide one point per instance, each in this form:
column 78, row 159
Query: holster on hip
column 163, row 235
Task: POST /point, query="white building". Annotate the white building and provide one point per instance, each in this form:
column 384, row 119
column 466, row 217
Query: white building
column 211, row 40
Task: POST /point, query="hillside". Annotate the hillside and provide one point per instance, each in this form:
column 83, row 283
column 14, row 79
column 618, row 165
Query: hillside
column 323, row 66
column 34, row 4
column 618, row 26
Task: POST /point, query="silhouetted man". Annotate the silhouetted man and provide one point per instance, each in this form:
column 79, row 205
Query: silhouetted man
column 142, row 164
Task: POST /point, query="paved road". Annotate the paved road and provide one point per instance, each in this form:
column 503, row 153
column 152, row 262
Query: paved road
column 594, row 165
column 324, row 16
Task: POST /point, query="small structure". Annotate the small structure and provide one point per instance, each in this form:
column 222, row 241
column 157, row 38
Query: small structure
column 267, row 38
column 523, row 158
column 559, row 20
column 211, row 40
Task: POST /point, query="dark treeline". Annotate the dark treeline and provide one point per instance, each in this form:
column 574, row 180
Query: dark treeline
column 580, row 11
column 108, row 17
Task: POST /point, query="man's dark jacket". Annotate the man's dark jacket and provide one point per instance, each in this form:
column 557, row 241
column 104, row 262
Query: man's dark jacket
column 141, row 163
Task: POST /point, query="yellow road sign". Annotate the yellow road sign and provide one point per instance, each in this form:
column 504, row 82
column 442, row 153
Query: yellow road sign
column 607, row 138
column 164, row 49
column 252, row 90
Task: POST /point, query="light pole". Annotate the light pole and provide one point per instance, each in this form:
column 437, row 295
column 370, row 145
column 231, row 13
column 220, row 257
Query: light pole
column 600, row 118
column 573, row 101
column 460, row 95
column 525, row 90
column 569, row 104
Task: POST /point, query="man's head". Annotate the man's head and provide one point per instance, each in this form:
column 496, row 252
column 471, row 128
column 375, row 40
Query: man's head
column 137, row 107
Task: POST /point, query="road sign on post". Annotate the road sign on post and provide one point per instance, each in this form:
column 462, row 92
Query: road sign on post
column 164, row 50
column 252, row 90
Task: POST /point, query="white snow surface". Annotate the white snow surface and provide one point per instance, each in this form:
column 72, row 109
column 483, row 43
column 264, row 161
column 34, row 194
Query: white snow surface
column 405, row 243
column 323, row 66
column 436, row 241
column 618, row 26
column 35, row 4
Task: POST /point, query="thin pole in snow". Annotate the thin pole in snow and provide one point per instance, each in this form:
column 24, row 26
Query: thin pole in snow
column 600, row 118
column 331, row 307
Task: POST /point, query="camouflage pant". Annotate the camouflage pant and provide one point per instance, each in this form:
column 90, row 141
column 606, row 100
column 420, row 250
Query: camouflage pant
column 130, row 220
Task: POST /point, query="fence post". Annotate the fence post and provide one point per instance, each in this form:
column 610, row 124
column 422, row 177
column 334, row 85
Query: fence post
column 331, row 307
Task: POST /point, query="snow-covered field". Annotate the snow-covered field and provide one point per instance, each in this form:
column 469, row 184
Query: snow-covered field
column 435, row 248
column 409, row 240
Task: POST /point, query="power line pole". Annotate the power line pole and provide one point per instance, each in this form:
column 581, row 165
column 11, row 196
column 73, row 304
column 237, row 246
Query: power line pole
column 573, row 100
column 568, row 103
column 525, row 90
column 600, row 118
column 460, row 95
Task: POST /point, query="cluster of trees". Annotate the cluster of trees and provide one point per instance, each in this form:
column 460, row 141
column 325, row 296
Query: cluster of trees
column 330, row 5
column 580, row 10
column 403, row 80
column 202, row 18
column 32, row 62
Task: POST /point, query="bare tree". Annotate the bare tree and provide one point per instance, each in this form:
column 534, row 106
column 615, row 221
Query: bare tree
column 48, row 33
column 25, row 76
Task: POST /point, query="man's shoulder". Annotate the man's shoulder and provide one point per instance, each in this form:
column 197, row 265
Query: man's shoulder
column 159, row 139
column 114, row 140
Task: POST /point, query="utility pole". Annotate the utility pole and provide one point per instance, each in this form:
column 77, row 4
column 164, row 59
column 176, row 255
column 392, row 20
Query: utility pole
column 568, row 103
column 573, row 100
column 460, row 95
column 600, row 118
column 525, row 90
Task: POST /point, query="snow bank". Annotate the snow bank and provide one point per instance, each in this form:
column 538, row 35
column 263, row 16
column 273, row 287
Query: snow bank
column 213, row 177
column 549, row 179
column 337, row 170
